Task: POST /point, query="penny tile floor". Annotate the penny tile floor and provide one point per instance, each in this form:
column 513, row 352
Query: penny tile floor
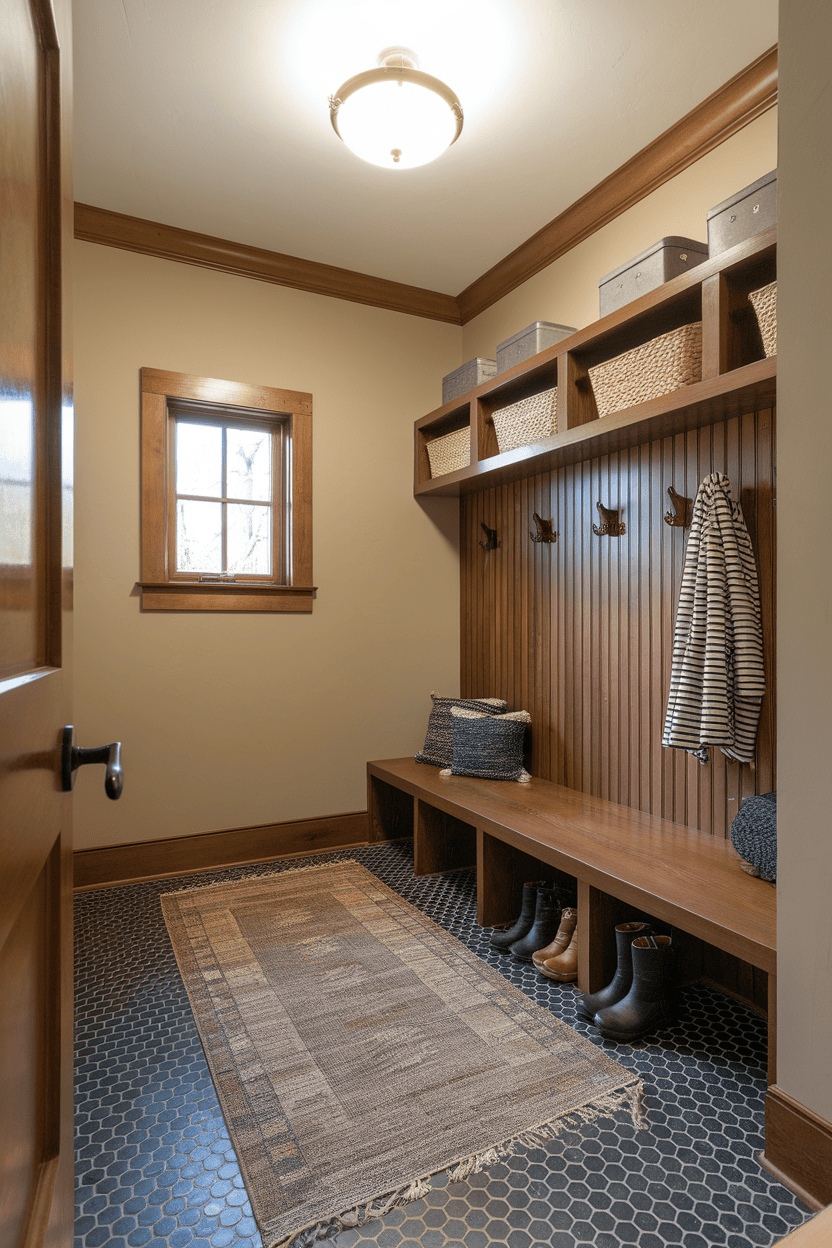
column 155, row 1167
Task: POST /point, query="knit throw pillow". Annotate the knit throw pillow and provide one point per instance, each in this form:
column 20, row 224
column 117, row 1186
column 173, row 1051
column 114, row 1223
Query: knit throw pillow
column 488, row 746
column 754, row 835
column 438, row 747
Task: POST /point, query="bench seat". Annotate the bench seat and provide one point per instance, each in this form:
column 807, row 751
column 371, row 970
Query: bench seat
column 623, row 860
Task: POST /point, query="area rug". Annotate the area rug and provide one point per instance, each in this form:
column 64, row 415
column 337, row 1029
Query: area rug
column 358, row 1049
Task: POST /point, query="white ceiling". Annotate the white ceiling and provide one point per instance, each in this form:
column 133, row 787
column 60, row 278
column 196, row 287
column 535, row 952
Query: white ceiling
column 212, row 115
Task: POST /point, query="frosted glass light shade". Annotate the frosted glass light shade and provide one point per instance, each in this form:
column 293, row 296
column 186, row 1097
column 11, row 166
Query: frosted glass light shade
column 396, row 117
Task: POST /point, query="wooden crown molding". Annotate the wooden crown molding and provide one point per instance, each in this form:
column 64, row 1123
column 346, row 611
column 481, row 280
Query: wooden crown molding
column 114, row 229
column 743, row 98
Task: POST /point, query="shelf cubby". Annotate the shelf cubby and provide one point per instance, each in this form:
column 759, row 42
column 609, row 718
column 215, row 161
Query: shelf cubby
column 736, row 377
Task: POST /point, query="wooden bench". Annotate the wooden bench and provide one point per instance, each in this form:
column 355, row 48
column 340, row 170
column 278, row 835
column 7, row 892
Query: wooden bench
column 626, row 863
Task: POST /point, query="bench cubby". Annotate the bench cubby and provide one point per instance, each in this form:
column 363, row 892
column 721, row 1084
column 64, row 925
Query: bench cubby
column 625, row 864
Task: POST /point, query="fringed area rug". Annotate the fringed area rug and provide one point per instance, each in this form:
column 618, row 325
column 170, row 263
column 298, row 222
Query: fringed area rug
column 357, row 1048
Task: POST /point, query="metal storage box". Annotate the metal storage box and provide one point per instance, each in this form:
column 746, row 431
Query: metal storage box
column 466, row 377
column 528, row 342
column 748, row 212
column 652, row 268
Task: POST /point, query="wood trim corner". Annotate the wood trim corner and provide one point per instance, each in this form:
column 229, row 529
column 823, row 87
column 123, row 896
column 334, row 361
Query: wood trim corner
column 739, row 101
column 798, row 1147
column 151, row 238
column 180, row 855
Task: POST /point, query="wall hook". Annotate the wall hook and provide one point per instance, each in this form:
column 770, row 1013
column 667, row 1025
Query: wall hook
column 545, row 532
column 611, row 526
column 490, row 542
column 680, row 516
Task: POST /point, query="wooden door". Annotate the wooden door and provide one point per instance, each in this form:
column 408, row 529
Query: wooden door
column 35, row 607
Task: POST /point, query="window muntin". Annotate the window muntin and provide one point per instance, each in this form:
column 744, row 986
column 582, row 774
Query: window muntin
column 228, row 503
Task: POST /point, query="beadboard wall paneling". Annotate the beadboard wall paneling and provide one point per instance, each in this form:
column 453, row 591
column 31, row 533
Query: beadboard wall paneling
column 579, row 632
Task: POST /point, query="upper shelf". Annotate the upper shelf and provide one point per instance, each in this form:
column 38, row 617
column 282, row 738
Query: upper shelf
column 736, row 377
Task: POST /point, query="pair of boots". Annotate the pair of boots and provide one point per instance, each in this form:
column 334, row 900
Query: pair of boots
column 538, row 927
column 641, row 995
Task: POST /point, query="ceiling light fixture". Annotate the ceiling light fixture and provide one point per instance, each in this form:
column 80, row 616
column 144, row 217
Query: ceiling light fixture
column 396, row 116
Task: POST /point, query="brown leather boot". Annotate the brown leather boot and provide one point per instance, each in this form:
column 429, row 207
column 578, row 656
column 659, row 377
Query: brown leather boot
column 561, row 939
column 562, row 964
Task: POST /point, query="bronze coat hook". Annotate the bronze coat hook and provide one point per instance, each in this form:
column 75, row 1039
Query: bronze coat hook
column 490, row 542
column 611, row 526
column 545, row 532
column 680, row 516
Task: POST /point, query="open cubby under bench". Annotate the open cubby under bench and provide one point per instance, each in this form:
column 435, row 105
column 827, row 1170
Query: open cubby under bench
column 625, row 863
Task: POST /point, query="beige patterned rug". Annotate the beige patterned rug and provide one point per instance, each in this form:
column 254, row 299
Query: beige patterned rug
column 357, row 1048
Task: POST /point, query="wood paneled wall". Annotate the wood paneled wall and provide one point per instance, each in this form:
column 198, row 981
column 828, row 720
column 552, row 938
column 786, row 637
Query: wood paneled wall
column 580, row 632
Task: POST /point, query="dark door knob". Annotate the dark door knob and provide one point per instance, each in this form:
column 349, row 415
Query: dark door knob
column 73, row 757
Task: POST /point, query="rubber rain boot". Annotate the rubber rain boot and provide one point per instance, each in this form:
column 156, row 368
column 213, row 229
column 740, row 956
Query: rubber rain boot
column 650, row 1001
column 544, row 928
column 618, row 987
column 501, row 940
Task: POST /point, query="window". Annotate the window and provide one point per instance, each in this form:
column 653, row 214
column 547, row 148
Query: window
column 226, row 496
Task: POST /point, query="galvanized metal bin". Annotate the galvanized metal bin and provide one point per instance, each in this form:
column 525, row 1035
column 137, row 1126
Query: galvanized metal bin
column 651, row 268
column 744, row 214
column 528, row 342
column 466, row 377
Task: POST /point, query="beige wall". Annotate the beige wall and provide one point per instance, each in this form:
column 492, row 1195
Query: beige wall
column 567, row 291
column 233, row 720
column 229, row 721
column 804, row 448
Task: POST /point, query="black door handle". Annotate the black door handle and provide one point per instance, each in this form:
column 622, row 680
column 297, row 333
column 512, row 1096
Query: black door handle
column 73, row 757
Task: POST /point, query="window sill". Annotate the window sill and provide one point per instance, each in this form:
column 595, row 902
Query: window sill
column 214, row 596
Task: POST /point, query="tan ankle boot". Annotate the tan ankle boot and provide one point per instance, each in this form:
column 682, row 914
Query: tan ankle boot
column 564, row 966
column 568, row 920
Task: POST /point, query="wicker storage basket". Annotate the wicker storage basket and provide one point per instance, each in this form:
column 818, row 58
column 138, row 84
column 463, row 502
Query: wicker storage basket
column 764, row 303
column 528, row 421
column 451, row 451
column 664, row 364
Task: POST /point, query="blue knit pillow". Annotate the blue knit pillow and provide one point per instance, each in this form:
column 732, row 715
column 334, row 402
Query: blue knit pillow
column 438, row 747
column 489, row 747
column 754, row 835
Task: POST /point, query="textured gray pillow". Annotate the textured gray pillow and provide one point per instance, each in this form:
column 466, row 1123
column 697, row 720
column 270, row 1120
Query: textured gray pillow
column 438, row 747
column 754, row 835
column 489, row 747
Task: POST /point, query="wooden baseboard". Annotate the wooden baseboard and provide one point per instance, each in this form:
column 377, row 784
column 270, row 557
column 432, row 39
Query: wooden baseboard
column 150, row 860
column 798, row 1148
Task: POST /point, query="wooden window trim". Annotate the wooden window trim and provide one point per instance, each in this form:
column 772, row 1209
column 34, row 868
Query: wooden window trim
column 161, row 588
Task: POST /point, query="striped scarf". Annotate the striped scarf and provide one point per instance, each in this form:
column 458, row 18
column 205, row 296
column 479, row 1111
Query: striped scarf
column 717, row 679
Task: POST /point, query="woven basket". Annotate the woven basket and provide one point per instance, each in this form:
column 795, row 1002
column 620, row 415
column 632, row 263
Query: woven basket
column 528, row 421
column 658, row 367
column 764, row 303
column 451, row 451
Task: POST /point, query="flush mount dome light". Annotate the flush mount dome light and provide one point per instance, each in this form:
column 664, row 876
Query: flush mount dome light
column 396, row 116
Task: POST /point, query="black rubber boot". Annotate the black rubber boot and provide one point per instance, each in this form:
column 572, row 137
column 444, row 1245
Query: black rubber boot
column 618, row 987
column 501, row 940
column 651, row 999
column 545, row 926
